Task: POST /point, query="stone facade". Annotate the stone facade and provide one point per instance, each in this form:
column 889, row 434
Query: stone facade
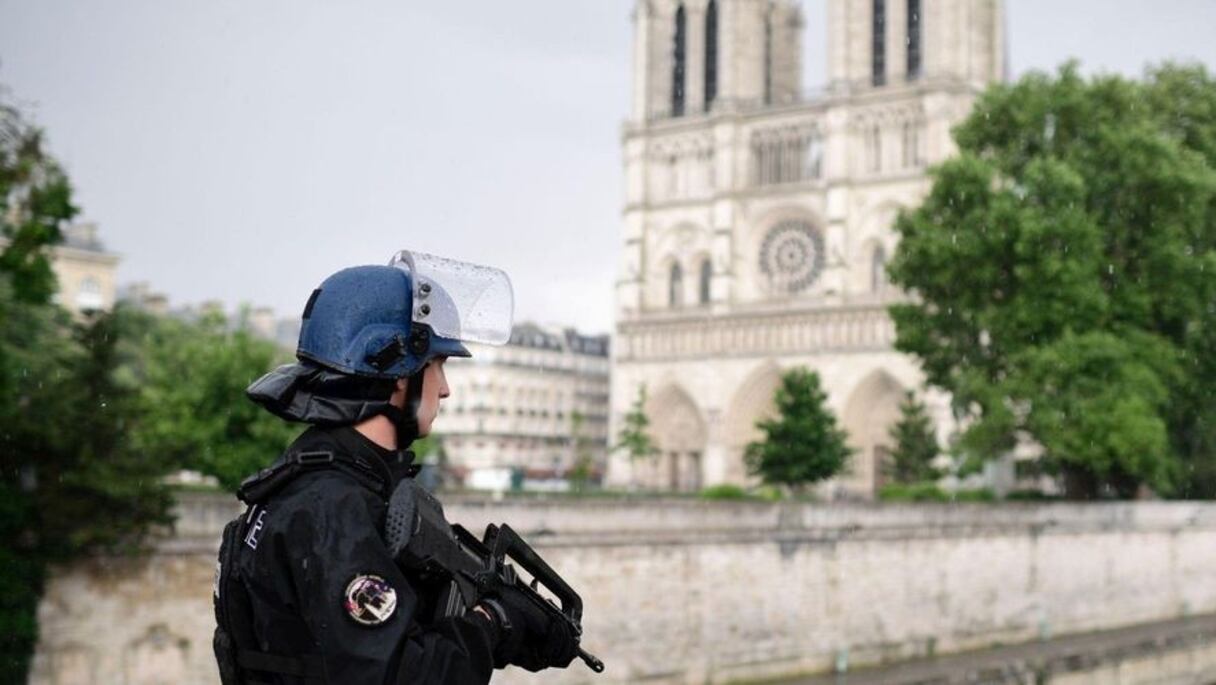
column 758, row 219
column 86, row 272
column 538, row 405
column 696, row 592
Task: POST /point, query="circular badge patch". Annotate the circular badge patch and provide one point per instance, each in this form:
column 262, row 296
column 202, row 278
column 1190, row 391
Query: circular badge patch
column 370, row 600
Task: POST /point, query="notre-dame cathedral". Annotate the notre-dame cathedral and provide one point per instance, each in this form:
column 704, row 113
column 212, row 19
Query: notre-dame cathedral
column 758, row 217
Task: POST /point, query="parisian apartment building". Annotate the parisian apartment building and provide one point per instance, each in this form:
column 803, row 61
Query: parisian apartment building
column 532, row 413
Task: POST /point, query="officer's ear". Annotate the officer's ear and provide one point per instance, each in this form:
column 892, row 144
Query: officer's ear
column 397, row 399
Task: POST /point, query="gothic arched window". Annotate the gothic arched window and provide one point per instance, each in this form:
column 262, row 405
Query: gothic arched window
column 874, row 149
column 878, row 270
column 678, row 58
column 707, row 274
column 711, row 54
column 911, row 145
column 768, row 59
column 675, row 286
column 814, row 156
column 913, row 40
column 878, row 44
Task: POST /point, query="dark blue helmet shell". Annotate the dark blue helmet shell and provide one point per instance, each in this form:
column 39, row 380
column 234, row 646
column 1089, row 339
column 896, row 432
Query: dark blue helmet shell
column 359, row 322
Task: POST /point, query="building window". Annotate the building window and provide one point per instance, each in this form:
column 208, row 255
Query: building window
column 768, row 59
column 914, row 56
column 878, row 48
column 786, row 156
column 878, row 270
column 707, row 274
column 678, row 54
column 814, row 157
column 874, row 149
column 711, row 54
column 675, row 286
column 88, row 294
column 911, row 145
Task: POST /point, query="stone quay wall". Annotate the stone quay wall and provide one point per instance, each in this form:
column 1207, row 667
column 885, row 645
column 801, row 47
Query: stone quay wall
column 693, row 592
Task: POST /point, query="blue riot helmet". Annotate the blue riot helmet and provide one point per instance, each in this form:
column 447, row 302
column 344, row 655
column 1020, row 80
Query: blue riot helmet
column 367, row 326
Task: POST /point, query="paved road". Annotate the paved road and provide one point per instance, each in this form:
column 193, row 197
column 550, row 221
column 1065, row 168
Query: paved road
column 1027, row 663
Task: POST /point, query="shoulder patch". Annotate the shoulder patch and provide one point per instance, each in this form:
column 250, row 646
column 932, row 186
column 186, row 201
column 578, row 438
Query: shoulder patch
column 255, row 530
column 370, row 600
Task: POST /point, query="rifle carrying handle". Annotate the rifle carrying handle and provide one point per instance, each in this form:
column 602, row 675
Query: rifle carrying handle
column 505, row 543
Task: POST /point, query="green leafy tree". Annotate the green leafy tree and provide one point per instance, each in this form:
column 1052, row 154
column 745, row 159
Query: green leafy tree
column 193, row 398
column 634, row 437
column 1183, row 101
column 1084, row 381
column 802, row 445
column 35, row 199
column 582, row 469
column 70, row 483
column 1075, row 230
column 915, row 444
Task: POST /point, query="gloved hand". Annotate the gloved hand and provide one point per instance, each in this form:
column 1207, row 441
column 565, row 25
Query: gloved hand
column 531, row 638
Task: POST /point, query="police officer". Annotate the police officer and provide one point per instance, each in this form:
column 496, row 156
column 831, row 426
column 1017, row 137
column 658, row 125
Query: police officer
column 306, row 590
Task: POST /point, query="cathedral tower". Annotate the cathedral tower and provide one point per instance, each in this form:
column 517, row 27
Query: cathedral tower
column 697, row 56
column 874, row 43
column 757, row 219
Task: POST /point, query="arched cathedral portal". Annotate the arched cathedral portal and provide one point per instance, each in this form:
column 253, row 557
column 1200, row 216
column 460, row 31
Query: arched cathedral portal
column 871, row 411
column 680, row 438
column 752, row 402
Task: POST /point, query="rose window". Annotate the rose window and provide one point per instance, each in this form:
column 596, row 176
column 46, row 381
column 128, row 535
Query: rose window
column 792, row 256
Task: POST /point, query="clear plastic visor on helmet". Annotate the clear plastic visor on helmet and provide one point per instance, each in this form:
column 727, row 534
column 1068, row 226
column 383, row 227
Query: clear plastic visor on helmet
column 458, row 300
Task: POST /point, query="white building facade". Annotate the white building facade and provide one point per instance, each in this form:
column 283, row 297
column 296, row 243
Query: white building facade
column 534, row 408
column 85, row 271
column 758, row 219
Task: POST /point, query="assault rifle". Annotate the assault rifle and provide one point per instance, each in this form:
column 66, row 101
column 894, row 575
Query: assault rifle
column 423, row 542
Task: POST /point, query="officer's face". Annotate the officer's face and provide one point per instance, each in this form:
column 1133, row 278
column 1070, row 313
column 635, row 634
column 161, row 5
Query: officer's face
column 434, row 389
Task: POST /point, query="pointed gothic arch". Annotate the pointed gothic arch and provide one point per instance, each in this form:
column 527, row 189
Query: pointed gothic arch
column 705, row 284
column 874, row 149
column 768, row 58
column 912, row 41
column 679, row 61
column 752, row 402
column 878, row 43
column 675, row 285
column 872, row 409
column 680, row 434
column 711, row 54
column 878, row 269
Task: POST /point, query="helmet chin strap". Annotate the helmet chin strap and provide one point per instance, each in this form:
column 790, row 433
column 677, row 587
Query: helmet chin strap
column 406, row 420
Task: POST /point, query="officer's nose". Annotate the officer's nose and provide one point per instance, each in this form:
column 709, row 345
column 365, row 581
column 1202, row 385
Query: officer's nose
column 444, row 390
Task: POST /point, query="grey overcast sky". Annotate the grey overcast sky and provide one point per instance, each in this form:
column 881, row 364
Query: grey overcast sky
column 242, row 151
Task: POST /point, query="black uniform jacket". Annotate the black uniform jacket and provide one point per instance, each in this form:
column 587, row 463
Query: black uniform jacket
column 306, row 544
